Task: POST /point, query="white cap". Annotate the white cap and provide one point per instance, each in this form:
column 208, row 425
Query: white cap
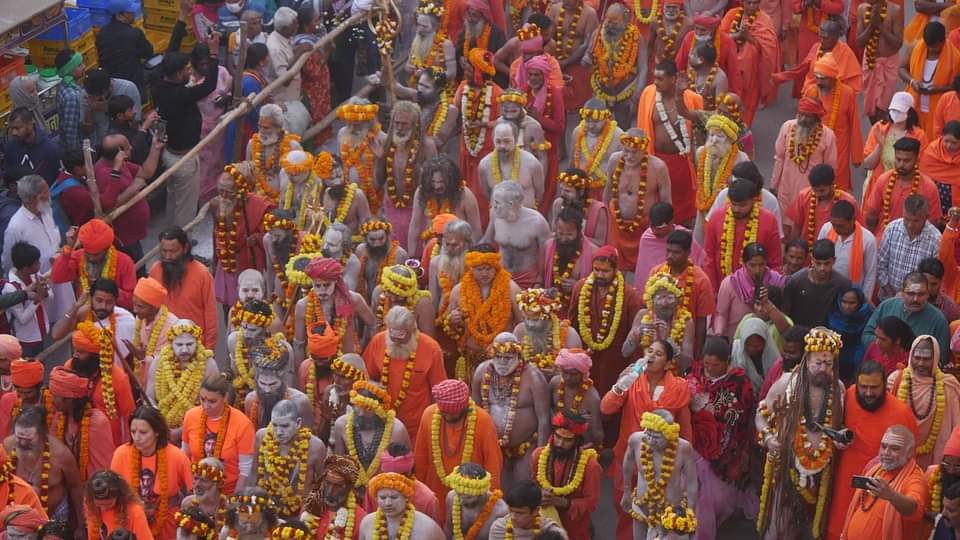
column 902, row 102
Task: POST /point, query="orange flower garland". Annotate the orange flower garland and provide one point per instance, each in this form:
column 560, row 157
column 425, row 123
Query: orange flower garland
column 221, row 434
column 109, row 270
column 669, row 39
column 581, row 148
column 558, row 275
column 708, row 184
column 801, row 152
column 577, row 398
column 481, row 43
column 475, row 108
column 888, row 193
column 738, row 24
column 484, row 319
column 812, row 204
column 565, row 36
column 635, row 223
column 613, row 67
column 362, row 158
column 263, row 163
column 873, row 42
column 408, row 366
column 160, row 518
column 227, row 239
column 43, row 490
column 402, row 201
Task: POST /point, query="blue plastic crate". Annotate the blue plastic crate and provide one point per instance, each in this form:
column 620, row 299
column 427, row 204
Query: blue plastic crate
column 99, row 16
column 78, row 23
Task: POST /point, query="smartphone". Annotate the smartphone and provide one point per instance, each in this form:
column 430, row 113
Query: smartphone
column 757, row 287
column 160, row 129
column 860, row 482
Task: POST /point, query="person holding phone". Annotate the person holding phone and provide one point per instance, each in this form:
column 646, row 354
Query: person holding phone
column 894, row 482
column 738, row 294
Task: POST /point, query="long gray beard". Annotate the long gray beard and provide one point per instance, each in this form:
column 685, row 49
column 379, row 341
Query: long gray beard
column 452, row 266
column 421, row 45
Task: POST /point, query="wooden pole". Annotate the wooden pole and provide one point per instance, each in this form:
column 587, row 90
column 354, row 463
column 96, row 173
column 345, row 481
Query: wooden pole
column 252, row 101
column 92, row 179
column 237, row 89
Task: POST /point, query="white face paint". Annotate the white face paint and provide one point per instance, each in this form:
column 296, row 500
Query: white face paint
column 392, row 502
column 251, row 332
column 249, row 288
column 655, row 440
column 184, row 347
column 505, row 364
column 285, row 427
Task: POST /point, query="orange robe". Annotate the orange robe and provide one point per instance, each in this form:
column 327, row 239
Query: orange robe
column 757, row 61
column 194, row 299
column 575, row 517
column 900, row 193
column 682, row 192
column 324, row 520
column 850, row 72
column 23, row 493
column 7, row 401
column 880, row 83
column 319, row 388
column 922, row 387
column 238, row 441
column 470, row 164
column 797, row 213
column 788, row 178
column 675, row 398
column 810, row 19
column 948, row 67
column 869, row 427
column 941, row 166
column 428, row 371
column 948, row 250
column 109, row 521
column 100, row 440
column 947, row 109
column 726, row 58
column 486, row 451
column 456, row 9
column 123, row 398
column 179, row 479
column 845, row 124
column 882, row 128
column 882, row 520
column 768, row 236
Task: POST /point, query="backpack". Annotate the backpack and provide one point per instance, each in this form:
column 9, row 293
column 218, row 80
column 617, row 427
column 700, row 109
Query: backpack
column 5, row 326
column 59, row 215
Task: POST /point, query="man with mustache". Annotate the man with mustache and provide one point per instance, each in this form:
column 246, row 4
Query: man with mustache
column 334, row 499
column 270, row 362
column 513, row 103
column 668, row 31
column 431, row 47
column 576, row 21
column 477, row 101
column 252, row 320
column 328, row 301
column 343, row 200
column 398, row 170
column 706, row 32
column 378, row 251
column 844, row 118
column 315, row 373
column 869, row 411
column 572, row 390
column 886, row 201
column 520, row 231
column 470, row 505
column 567, row 254
column 573, row 189
column 592, row 142
column 542, row 325
column 154, row 321
column 400, row 286
column 802, row 143
column 207, row 493
column 77, row 264
column 802, row 74
column 267, row 146
column 714, row 169
column 190, row 287
column 441, row 192
column 814, row 401
column 568, row 474
column 922, row 381
column 361, row 143
column 510, row 162
column 332, row 402
column 617, row 60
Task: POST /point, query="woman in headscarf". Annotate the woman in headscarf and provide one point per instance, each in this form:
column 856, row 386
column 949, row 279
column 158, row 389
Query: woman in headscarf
column 848, row 318
column 736, row 296
column 754, row 351
column 315, row 75
column 892, row 343
column 24, row 93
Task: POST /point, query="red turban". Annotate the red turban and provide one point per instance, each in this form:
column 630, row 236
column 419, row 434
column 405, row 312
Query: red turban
column 322, row 344
column 329, row 269
column 451, row 395
column 483, row 6
column 574, row 424
column 706, row 20
column 22, row 516
column 399, row 464
column 26, row 373
column 67, row 384
column 151, row 291
column 86, row 338
column 809, row 105
column 606, row 252
column 10, row 347
column 952, row 447
column 576, row 359
column 95, row 236
column 440, row 222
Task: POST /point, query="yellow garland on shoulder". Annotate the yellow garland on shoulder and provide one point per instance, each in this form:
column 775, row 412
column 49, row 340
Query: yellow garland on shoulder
column 159, row 519
column 177, row 389
column 471, row 487
column 607, row 330
column 633, row 224
column 729, row 236
column 935, row 487
column 275, row 470
column 195, row 528
column 109, row 270
column 801, row 152
column 581, row 148
column 151, row 349
column 479, row 522
column 574, row 484
column 263, row 163
column 380, row 531
column 465, row 456
column 905, row 394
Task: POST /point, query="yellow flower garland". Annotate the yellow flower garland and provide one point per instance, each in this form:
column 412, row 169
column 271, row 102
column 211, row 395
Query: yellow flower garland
column 367, row 473
column 274, row 469
column 177, row 390
column 380, row 531
column 904, row 394
column 514, row 169
column 608, row 329
column 262, row 164
column 457, row 515
column 404, row 381
column 729, row 237
column 105, row 338
column 574, row 484
column 465, row 456
column 508, row 522
column 109, row 270
column 935, row 488
column 158, row 323
column 581, row 148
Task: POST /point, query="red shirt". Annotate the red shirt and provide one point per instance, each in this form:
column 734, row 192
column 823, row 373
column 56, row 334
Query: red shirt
column 131, row 226
column 75, row 201
column 768, row 235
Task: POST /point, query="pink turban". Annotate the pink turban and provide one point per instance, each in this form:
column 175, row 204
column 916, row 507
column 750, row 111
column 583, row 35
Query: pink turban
column 329, row 269
column 10, row 347
column 576, row 359
column 483, row 6
column 706, row 20
column 399, row 464
column 532, row 45
column 451, row 396
column 21, row 516
column 541, row 64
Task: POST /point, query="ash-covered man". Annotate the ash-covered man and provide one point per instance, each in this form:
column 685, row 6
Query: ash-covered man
column 507, row 158
column 271, row 362
column 521, row 233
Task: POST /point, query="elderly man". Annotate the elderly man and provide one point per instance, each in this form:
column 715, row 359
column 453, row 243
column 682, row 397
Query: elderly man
column 290, row 459
column 445, row 265
column 440, row 191
column 394, row 494
column 431, row 47
column 887, row 197
column 207, row 494
column 342, row 199
column 361, row 143
column 372, row 420
column 715, row 159
column 802, row 143
column 297, row 182
column 378, row 251
column 802, row 74
column 520, row 231
column 758, row 54
column 869, row 411
column 174, row 378
column 271, row 373
column 508, row 162
column 332, row 402
column 251, row 320
column 618, row 62
column 270, row 143
column 334, row 497
column 896, row 483
column 575, row 22
column 567, row 254
column 912, row 305
column 841, row 100
column 706, row 31
column 664, row 318
column 542, row 331
column 407, row 362
column 448, row 428
column 338, row 245
column 466, row 506
column 399, row 287
column 190, row 287
column 637, row 180
column 922, row 380
column 906, row 241
column 20, row 494
column 817, row 398
column 477, row 101
column 522, row 415
column 283, row 54
column 97, row 258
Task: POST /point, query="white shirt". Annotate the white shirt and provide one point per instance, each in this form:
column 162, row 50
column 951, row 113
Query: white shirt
column 844, row 246
column 39, row 231
column 23, row 316
column 126, row 324
column 282, row 58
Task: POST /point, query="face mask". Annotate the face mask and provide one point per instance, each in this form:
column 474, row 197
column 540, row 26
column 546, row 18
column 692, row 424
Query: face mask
column 897, row 116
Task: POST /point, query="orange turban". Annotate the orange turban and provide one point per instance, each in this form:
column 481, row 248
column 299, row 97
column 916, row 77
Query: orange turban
column 809, row 105
column 952, row 447
column 440, row 221
column 10, row 347
column 150, row 291
column 67, row 384
column 26, row 373
column 86, row 338
column 323, row 344
column 827, row 66
column 22, row 516
column 95, row 236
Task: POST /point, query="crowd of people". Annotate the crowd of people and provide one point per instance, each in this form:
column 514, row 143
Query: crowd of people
column 538, row 253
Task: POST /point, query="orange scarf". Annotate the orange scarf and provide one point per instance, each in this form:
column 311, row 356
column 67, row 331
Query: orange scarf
column 856, row 251
column 938, row 164
column 942, row 76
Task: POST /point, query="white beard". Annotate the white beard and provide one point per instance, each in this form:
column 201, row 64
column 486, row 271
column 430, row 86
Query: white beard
column 718, row 150
column 406, row 350
column 421, row 45
column 802, row 133
column 398, row 139
column 452, row 266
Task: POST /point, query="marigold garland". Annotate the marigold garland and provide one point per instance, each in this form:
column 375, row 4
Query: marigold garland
column 106, row 360
column 136, row 464
column 344, row 521
column 482, row 517
column 402, row 201
column 812, row 203
column 888, row 194
column 405, row 378
column 905, row 394
column 728, row 239
column 613, row 67
column 221, row 433
column 709, row 184
column 738, row 24
column 873, row 42
column 475, row 109
column 638, row 12
column 680, row 318
column 654, row 498
column 263, row 163
column 439, row 116
column 672, row 520
column 565, row 36
column 514, row 399
column 935, row 488
column 353, row 112
column 109, row 270
column 362, row 158
column 669, row 39
column 514, row 168
column 577, row 399
column 274, row 469
column 177, row 389
column 243, row 379
column 574, row 484
column 367, row 473
column 607, row 330
column 634, row 223
column 158, row 323
column 594, row 166
column 380, row 531
column 483, row 318
column 558, row 274
column 305, row 198
column 466, row 455
column 196, row 528
column 801, row 152
column 43, row 490
column 508, row 523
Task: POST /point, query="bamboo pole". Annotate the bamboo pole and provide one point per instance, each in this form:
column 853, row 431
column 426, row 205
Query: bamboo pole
column 245, row 106
column 91, row 179
column 238, row 88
